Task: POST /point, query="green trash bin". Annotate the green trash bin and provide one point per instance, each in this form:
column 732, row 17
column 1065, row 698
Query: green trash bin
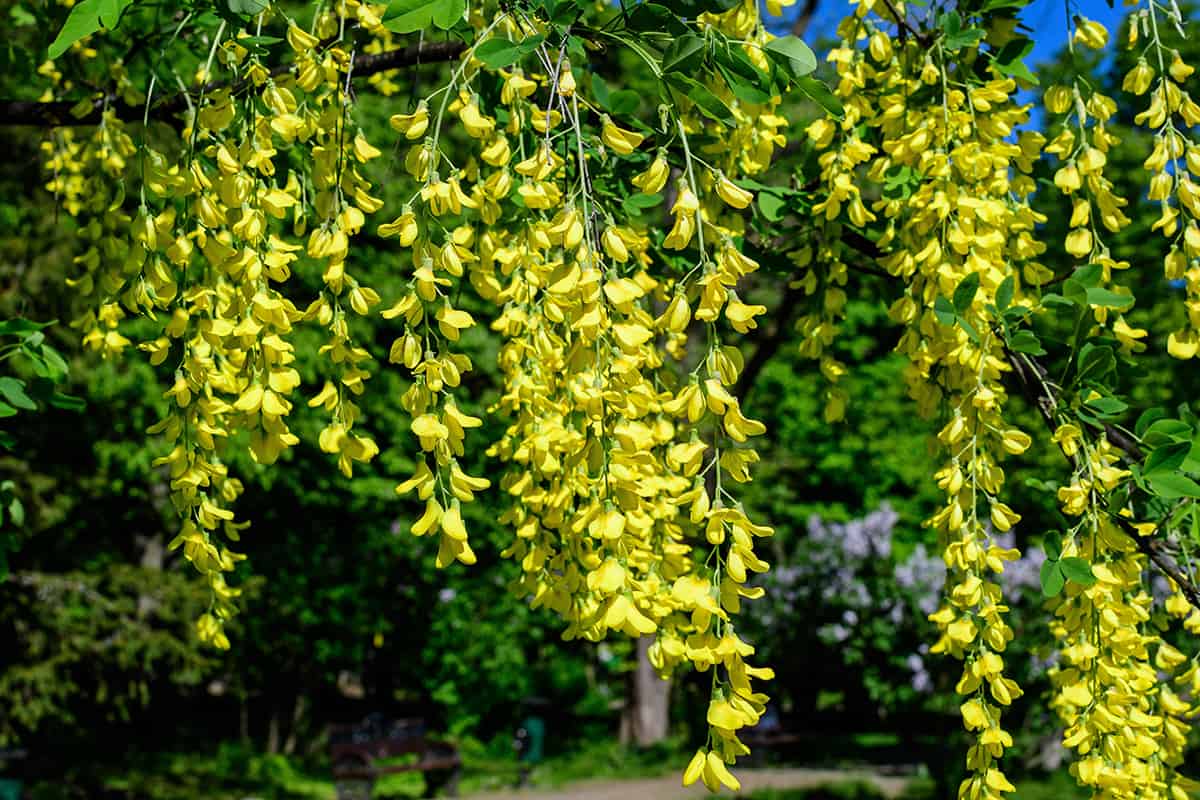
column 535, row 745
column 10, row 789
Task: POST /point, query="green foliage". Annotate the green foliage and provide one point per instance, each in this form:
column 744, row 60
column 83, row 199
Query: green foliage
column 229, row 770
column 23, row 346
column 343, row 593
column 87, row 17
column 110, row 636
column 24, row 343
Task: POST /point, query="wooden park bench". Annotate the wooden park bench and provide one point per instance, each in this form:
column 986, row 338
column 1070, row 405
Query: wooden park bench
column 359, row 754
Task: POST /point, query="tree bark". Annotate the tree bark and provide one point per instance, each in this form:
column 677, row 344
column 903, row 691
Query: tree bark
column 273, row 732
column 153, row 556
column 244, row 719
column 804, row 18
column 298, row 709
column 646, row 719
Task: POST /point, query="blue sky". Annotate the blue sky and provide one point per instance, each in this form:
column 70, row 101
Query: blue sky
column 1047, row 18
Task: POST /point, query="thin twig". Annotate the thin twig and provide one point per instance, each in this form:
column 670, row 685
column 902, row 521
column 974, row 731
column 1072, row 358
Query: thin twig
column 58, row 113
column 1040, row 393
column 902, row 22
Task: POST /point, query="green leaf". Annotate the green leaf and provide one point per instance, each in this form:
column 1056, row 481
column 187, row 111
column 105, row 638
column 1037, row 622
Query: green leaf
column 1004, row 293
column 1077, row 570
column 448, row 13
column 56, row 363
column 944, row 311
column 1075, row 291
column 110, row 12
column 1052, row 300
column 735, row 60
column 247, row 8
column 711, row 105
column 1010, row 59
column 67, row 402
column 1147, row 418
column 1026, row 342
column 684, row 54
column 635, row 204
column 13, row 391
column 793, row 55
column 84, row 20
column 1173, row 485
column 772, row 206
column 950, row 23
column 408, row 16
column 643, row 200
column 968, row 37
column 1089, row 275
column 6, row 410
column 1107, row 406
column 599, row 90
column 743, row 89
column 259, row 41
column 1162, row 431
column 654, row 18
column 1095, row 362
column 499, row 52
column 1052, row 544
column 1052, row 578
column 16, row 512
column 1166, row 458
column 707, row 102
column 624, row 102
column 21, row 17
column 566, row 14
column 972, row 334
column 964, row 294
column 691, row 9
column 820, row 94
column 1106, row 298
column 899, row 181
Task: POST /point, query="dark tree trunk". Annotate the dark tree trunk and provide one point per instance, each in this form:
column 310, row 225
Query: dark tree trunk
column 298, row 709
column 153, row 557
column 273, row 732
column 646, row 718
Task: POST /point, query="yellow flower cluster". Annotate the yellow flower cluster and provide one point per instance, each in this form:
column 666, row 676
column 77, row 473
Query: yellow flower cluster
column 959, row 219
column 1083, row 150
column 1174, row 163
column 625, row 435
column 620, row 472
column 203, row 259
column 1082, row 146
column 1121, row 717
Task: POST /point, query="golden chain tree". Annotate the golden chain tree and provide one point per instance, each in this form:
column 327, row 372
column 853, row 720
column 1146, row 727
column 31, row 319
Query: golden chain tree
column 626, row 440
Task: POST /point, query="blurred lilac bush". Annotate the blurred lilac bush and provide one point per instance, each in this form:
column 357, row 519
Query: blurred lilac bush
column 859, row 590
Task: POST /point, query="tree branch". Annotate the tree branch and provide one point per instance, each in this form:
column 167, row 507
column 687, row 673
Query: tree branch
column 804, row 18
column 904, row 27
column 58, row 113
column 1039, row 392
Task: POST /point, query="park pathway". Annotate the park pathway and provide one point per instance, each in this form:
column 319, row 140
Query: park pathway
column 669, row 788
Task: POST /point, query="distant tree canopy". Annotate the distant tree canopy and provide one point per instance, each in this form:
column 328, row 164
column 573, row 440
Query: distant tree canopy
column 593, row 197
